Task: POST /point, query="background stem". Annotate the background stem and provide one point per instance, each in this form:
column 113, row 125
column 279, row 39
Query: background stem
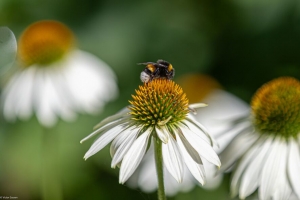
column 51, row 183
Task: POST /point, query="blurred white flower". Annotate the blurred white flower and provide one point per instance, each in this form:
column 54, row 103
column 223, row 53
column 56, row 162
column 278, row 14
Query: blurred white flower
column 8, row 48
column 54, row 78
column 265, row 154
column 221, row 106
column 158, row 111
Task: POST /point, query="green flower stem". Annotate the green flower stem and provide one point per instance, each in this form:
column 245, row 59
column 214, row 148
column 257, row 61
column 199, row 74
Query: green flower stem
column 159, row 168
column 51, row 183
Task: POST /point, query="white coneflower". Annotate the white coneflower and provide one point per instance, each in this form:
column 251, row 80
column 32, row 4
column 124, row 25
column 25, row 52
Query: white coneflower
column 267, row 150
column 55, row 78
column 159, row 112
column 221, row 106
column 8, row 48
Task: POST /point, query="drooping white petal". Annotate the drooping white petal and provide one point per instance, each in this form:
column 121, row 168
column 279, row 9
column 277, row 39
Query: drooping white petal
column 250, row 177
column 24, row 105
column 134, row 156
column 213, row 179
column 162, row 133
column 119, row 139
column 190, row 120
column 61, row 102
column 173, row 159
column 18, row 95
column 147, row 179
column 271, row 169
column 119, row 115
column 282, row 186
column 106, row 127
column 91, row 81
column 293, row 166
column 195, row 106
column 237, row 147
column 243, row 164
column 51, row 100
column 201, row 146
column 187, row 146
column 197, row 131
column 103, row 140
column 196, row 168
column 124, row 147
column 222, row 108
column 45, row 95
column 172, row 186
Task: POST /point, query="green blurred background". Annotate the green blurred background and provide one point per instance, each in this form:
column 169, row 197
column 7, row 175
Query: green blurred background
column 242, row 43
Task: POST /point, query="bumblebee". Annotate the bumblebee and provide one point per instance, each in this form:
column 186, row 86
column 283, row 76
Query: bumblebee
column 160, row 69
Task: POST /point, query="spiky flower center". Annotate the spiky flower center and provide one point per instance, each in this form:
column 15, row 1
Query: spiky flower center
column 45, row 42
column 159, row 101
column 275, row 107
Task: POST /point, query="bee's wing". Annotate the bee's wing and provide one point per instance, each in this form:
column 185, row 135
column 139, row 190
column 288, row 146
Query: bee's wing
column 147, row 63
column 8, row 48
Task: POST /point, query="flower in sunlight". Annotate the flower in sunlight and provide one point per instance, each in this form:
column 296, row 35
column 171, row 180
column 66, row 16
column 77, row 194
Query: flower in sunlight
column 54, row 78
column 221, row 106
column 265, row 154
column 158, row 111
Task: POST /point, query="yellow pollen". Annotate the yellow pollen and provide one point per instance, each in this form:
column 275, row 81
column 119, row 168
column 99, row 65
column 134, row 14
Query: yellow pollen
column 45, row 42
column 276, row 107
column 161, row 100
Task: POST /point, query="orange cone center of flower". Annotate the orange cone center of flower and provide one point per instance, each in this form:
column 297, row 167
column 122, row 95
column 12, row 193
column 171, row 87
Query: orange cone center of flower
column 198, row 86
column 275, row 107
column 45, row 42
column 157, row 101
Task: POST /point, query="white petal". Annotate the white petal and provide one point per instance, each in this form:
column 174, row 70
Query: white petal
column 120, row 139
column 293, row 167
column 199, row 132
column 63, row 102
column 173, row 159
column 113, row 118
column 201, row 146
column 162, row 133
column 250, row 177
column 282, row 186
column 24, row 106
column 196, row 169
column 213, row 179
column 193, row 107
column 190, row 120
column 44, row 95
column 237, row 147
column 90, row 80
column 271, row 169
column 124, row 147
column 17, row 95
column 106, row 127
column 134, row 156
column 187, row 146
column 103, row 140
column 147, row 180
column 172, row 186
column 242, row 165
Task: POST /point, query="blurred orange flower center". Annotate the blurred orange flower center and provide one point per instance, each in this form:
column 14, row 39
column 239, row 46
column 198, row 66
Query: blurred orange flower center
column 45, row 42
